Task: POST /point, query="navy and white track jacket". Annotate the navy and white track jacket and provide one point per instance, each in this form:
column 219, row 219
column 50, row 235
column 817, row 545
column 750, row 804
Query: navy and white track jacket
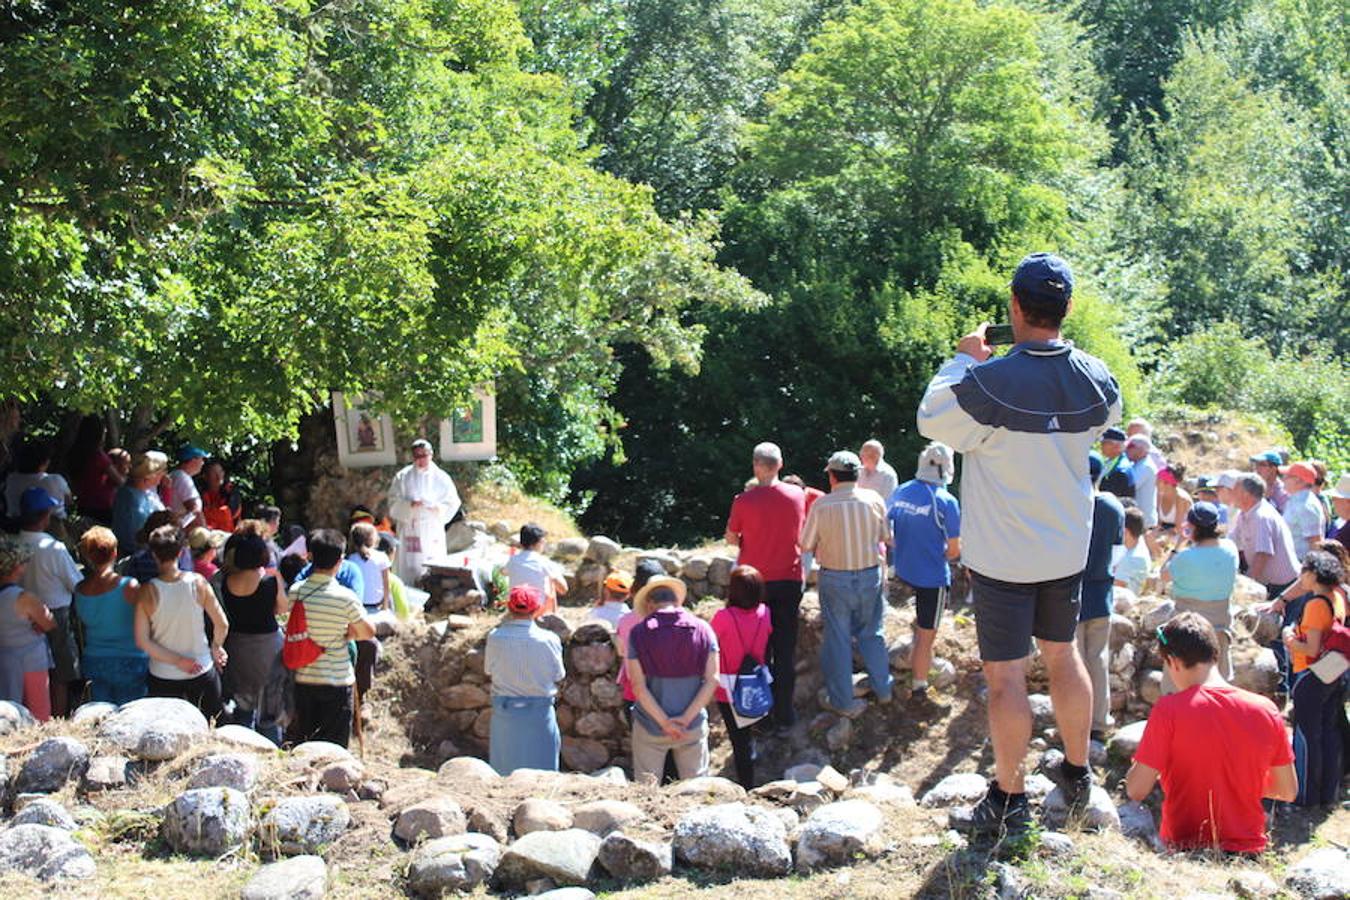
column 1024, row 424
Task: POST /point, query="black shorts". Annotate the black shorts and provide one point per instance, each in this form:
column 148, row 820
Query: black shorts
column 1008, row 614
column 929, row 605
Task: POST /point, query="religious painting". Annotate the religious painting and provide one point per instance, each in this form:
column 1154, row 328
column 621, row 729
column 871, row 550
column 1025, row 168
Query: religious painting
column 470, row 432
column 364, row 438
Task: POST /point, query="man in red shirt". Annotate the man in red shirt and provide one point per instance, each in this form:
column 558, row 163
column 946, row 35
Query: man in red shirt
column 766, row 523
column 1217, row 748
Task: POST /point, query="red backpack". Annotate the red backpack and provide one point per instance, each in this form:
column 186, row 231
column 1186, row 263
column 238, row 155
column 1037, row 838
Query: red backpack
column 1337, row 638
column 300, row 649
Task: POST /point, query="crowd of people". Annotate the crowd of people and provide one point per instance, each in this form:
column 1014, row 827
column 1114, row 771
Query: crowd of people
column 181, row 596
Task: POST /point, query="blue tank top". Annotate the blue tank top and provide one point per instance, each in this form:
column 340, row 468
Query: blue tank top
column 109, row 623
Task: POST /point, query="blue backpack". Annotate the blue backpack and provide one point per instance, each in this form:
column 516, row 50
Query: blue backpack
column 751, row 697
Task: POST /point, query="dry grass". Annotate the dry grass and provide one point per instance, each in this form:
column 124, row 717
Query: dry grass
column 492, row 502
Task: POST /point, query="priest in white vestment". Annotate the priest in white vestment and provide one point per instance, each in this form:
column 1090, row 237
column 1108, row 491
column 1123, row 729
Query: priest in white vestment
column 422, row 501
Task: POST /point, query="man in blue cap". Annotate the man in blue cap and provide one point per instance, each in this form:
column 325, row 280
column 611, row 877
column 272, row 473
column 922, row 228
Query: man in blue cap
column 1267, row 465
column 1117, row 471
column 51, row 576
column 186, row 500
column 1025, row 424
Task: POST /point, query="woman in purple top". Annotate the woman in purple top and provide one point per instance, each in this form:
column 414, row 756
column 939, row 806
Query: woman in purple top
column 673, row 666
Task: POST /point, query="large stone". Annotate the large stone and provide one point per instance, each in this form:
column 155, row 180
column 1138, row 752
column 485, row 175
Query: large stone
column 1126, row 740
column 954, row 790
column 733, row 837
column 465, row 696
column 607, row 693
column 155, row 728
column 1042, row 710
column 540, row 815
column 458, row 863
column 597, row 724
column 1248, row 592
column 300, row 825
column 803, row 771
column 460, row 536
column 342, row 776
column 1261, row 675
column 14, row 717
column 1150, row 686
column 436, row 817
column 601, row 549
column 899, row 654
column 244, row 738
column 1321, row 875
column 883, row 793
column 93, row 712
column 44, row 853
column 208, row 821
column 942, row 674
column 633, row 861
column 556, row 624
column 603, row 816
column 696, row 568
column 105, row 773
column 318, row 753
column 707, row 789
column 719, row 570
column 838, row 833
column 1122, row 632
column 45, row 811
column 487, row 820
column 565, row 857
column 1253, row 885
column 51, row 764
column 232, row 770
column 297, row 878
column 584, row 754
column 1264, row 626
column 1124, row 600
column 593, row 659
column 1157, row 616
column 1136, row 821
column 466, row 771
column 1100, row 813
column 802, row 796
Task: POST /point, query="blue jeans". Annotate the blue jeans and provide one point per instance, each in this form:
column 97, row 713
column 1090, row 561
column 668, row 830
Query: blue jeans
column 852, row 604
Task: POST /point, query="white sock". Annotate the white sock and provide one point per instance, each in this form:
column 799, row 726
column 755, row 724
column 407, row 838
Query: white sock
column 919, row 686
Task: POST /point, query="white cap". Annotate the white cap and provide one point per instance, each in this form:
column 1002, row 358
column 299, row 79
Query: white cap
column 1342, row 489
column 1228, row 478
column 936, row 464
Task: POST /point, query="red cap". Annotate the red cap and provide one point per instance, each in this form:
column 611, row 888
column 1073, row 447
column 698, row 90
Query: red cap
column 525, row 598
column 1302, row 471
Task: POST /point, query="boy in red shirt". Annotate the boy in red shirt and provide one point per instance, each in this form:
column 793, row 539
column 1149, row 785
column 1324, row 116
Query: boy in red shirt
column 1218, row 749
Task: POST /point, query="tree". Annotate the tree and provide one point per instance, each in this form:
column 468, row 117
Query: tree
column 213, row 213
column 903, row 165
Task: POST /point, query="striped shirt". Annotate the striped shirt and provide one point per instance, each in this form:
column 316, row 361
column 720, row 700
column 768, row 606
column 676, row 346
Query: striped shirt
column 846, row 528
column 523, row 660
column 329, row 609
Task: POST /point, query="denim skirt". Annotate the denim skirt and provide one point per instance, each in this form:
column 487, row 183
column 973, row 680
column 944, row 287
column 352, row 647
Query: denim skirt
column 524, row 734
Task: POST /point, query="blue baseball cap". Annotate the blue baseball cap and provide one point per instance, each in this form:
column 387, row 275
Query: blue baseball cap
column 188, row 452
column 1270, row 456
column 1113, row 434
column 36, row 500
column 1203, row 514
column 1045, row 277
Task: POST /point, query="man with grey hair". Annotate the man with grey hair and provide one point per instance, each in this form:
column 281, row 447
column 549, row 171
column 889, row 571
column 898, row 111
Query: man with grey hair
column 925, row 521
column 1267, row 547
column 877, row 474
column 765, row 523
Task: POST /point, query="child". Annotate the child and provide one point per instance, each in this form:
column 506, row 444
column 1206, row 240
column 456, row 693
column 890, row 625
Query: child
column 1217, row 749
column 613, row 603
column 1132, row 570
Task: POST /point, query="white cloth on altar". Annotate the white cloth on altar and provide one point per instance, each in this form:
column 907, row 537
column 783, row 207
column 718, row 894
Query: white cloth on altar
column 421, row 529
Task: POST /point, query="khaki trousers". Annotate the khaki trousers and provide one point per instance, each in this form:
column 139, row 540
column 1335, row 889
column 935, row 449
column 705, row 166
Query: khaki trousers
column 1093, row 637
column 649, row 754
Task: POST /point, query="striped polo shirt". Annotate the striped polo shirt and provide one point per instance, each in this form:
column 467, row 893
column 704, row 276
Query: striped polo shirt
column 846, row 528
column 329, row 609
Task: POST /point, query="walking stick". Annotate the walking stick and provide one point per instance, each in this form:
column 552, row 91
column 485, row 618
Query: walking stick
column 356, row 723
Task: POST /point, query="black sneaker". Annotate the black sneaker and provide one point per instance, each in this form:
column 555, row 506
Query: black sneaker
column 924, row 702
column 1076, row 791
column 1009, row 816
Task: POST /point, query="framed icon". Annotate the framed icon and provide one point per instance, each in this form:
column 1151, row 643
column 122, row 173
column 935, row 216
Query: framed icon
column 470, row 432
column 364, row 438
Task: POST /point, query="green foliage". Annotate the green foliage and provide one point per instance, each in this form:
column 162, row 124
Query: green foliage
column 213, row 213
column 1308, row 395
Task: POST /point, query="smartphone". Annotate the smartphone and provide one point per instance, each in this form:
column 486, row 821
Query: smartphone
column 995, row 335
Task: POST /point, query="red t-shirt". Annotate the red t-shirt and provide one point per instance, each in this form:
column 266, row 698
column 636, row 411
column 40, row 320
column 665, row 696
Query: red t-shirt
column 769, row 518
column 1213, row 747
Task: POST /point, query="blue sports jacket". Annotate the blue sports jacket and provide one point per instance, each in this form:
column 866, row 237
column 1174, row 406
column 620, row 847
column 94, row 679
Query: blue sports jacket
column 1024, row 424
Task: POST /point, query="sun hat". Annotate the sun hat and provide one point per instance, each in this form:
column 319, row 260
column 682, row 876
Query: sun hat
column 1342, row 489
column 200, row 538
column 661, row 581
column 937, row 464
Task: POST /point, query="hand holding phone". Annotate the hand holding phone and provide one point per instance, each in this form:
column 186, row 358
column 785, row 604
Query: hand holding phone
column 999, row 335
